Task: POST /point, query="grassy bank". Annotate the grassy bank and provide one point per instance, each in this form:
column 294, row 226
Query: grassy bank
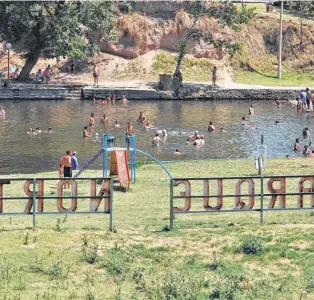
column 223, row 256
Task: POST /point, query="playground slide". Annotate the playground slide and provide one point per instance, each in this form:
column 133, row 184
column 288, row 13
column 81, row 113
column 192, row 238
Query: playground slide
column 119, row 166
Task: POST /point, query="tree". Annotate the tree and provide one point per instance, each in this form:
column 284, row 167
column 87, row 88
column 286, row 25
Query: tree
column 60, row 28
column 304, row 9
column 226, row 14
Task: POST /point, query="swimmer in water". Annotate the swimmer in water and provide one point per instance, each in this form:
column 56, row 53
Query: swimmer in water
column 276, row 122
column 222, row 129
column 38, row 130
column 2, row 112
column 177, row 152
column 277, row 103
column 157, row 140
column 49, row 130
column 305, row 132
column 113, row 99
column 202, row 140
column 211, row 127
column 124, row 99
column 148, row 125
column 197, row 142
column 243, row 122
column 192, row 138
column 116, row 124
column 92, row 120
column 251, row 110
column 104, row 120
column 141, row 118
column 29, row 131
column 86, row 133
column 297, row 146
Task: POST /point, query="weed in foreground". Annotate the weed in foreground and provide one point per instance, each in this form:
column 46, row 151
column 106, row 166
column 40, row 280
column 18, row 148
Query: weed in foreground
column 251, row 245
column 58, row 270
column 25, row 239
column 215, row 264
column 176, row 284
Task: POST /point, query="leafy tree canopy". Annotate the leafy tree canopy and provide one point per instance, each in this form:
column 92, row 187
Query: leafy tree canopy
column 60, row 28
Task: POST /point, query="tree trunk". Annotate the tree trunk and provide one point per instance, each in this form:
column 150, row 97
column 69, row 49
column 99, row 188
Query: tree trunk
column 30, row 63
column 177, row 76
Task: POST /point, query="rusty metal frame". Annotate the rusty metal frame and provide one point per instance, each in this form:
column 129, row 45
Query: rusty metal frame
column 35, row 198
column 262, row 194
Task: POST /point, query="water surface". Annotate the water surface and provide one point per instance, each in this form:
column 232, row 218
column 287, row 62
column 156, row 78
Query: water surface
column 21, row 153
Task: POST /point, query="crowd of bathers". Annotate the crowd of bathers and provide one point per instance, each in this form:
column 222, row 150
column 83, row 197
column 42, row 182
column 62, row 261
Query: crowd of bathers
column 37, row 130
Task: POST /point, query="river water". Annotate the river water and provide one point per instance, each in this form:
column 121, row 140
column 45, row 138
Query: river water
column 21, row 153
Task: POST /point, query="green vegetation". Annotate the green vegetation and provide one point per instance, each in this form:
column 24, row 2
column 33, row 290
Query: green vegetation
column 206, row 256
column 193, row 69
column 291, row 79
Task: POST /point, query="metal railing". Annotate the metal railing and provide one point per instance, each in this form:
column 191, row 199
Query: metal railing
column 35, row 198
column 240, row 206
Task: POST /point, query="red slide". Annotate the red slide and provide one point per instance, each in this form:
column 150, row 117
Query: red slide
column 120, row 166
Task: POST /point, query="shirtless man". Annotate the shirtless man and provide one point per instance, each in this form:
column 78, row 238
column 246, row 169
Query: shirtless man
column 104, row 120
column 192, row 138
column 141, row 118
column 130, row 129
column 306, row 132
column 211, row 127
column 92, row 120
column 86, row 133
column 38, row 130
column 148, row 125
column 177, row 152
column 65, row 161
column 49, row 130
column 116, row 124
column 277, row 103
column 157, row 140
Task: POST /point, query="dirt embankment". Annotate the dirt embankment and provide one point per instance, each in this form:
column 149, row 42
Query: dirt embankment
column 155, row 26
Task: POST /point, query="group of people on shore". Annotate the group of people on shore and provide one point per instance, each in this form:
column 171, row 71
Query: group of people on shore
column 67, row 163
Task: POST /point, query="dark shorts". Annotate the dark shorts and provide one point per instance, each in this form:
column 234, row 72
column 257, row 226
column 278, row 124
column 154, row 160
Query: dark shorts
column 95, row 75
column 67, row 171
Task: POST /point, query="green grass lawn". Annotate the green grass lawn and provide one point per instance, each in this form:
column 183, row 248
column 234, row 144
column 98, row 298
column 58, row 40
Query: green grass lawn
column 203, row 257
column 292, row 79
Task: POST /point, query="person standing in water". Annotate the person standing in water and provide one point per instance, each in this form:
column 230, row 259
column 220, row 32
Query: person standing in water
column 297, row 146
column 211, row 127
column 2, row 112
column 157, row 140
column 308, row 98
column 92, row 120
column 141, row 118
column 104, row 120
column 243, row 122
column 251, row 110
column 85, row 132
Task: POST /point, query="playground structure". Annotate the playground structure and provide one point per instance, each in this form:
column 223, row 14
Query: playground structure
column 121, row 164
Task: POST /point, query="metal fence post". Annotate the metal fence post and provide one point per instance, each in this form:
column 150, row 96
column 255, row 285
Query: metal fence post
column 111, row 205
column 34, row 203
column 262, row 200
column 171, row 204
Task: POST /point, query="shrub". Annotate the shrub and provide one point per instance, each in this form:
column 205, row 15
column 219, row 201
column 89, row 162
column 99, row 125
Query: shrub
column 251, row 245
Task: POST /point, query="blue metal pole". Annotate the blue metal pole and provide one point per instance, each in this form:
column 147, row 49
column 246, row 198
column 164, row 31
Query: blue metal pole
column 105, row 155
column 34, row 203
column 171, row 203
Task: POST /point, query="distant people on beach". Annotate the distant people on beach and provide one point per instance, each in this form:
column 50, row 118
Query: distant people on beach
column 48, row 74
column 308, row 98
column 95, row 74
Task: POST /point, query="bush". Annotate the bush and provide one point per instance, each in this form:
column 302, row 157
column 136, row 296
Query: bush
column 251, row 245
